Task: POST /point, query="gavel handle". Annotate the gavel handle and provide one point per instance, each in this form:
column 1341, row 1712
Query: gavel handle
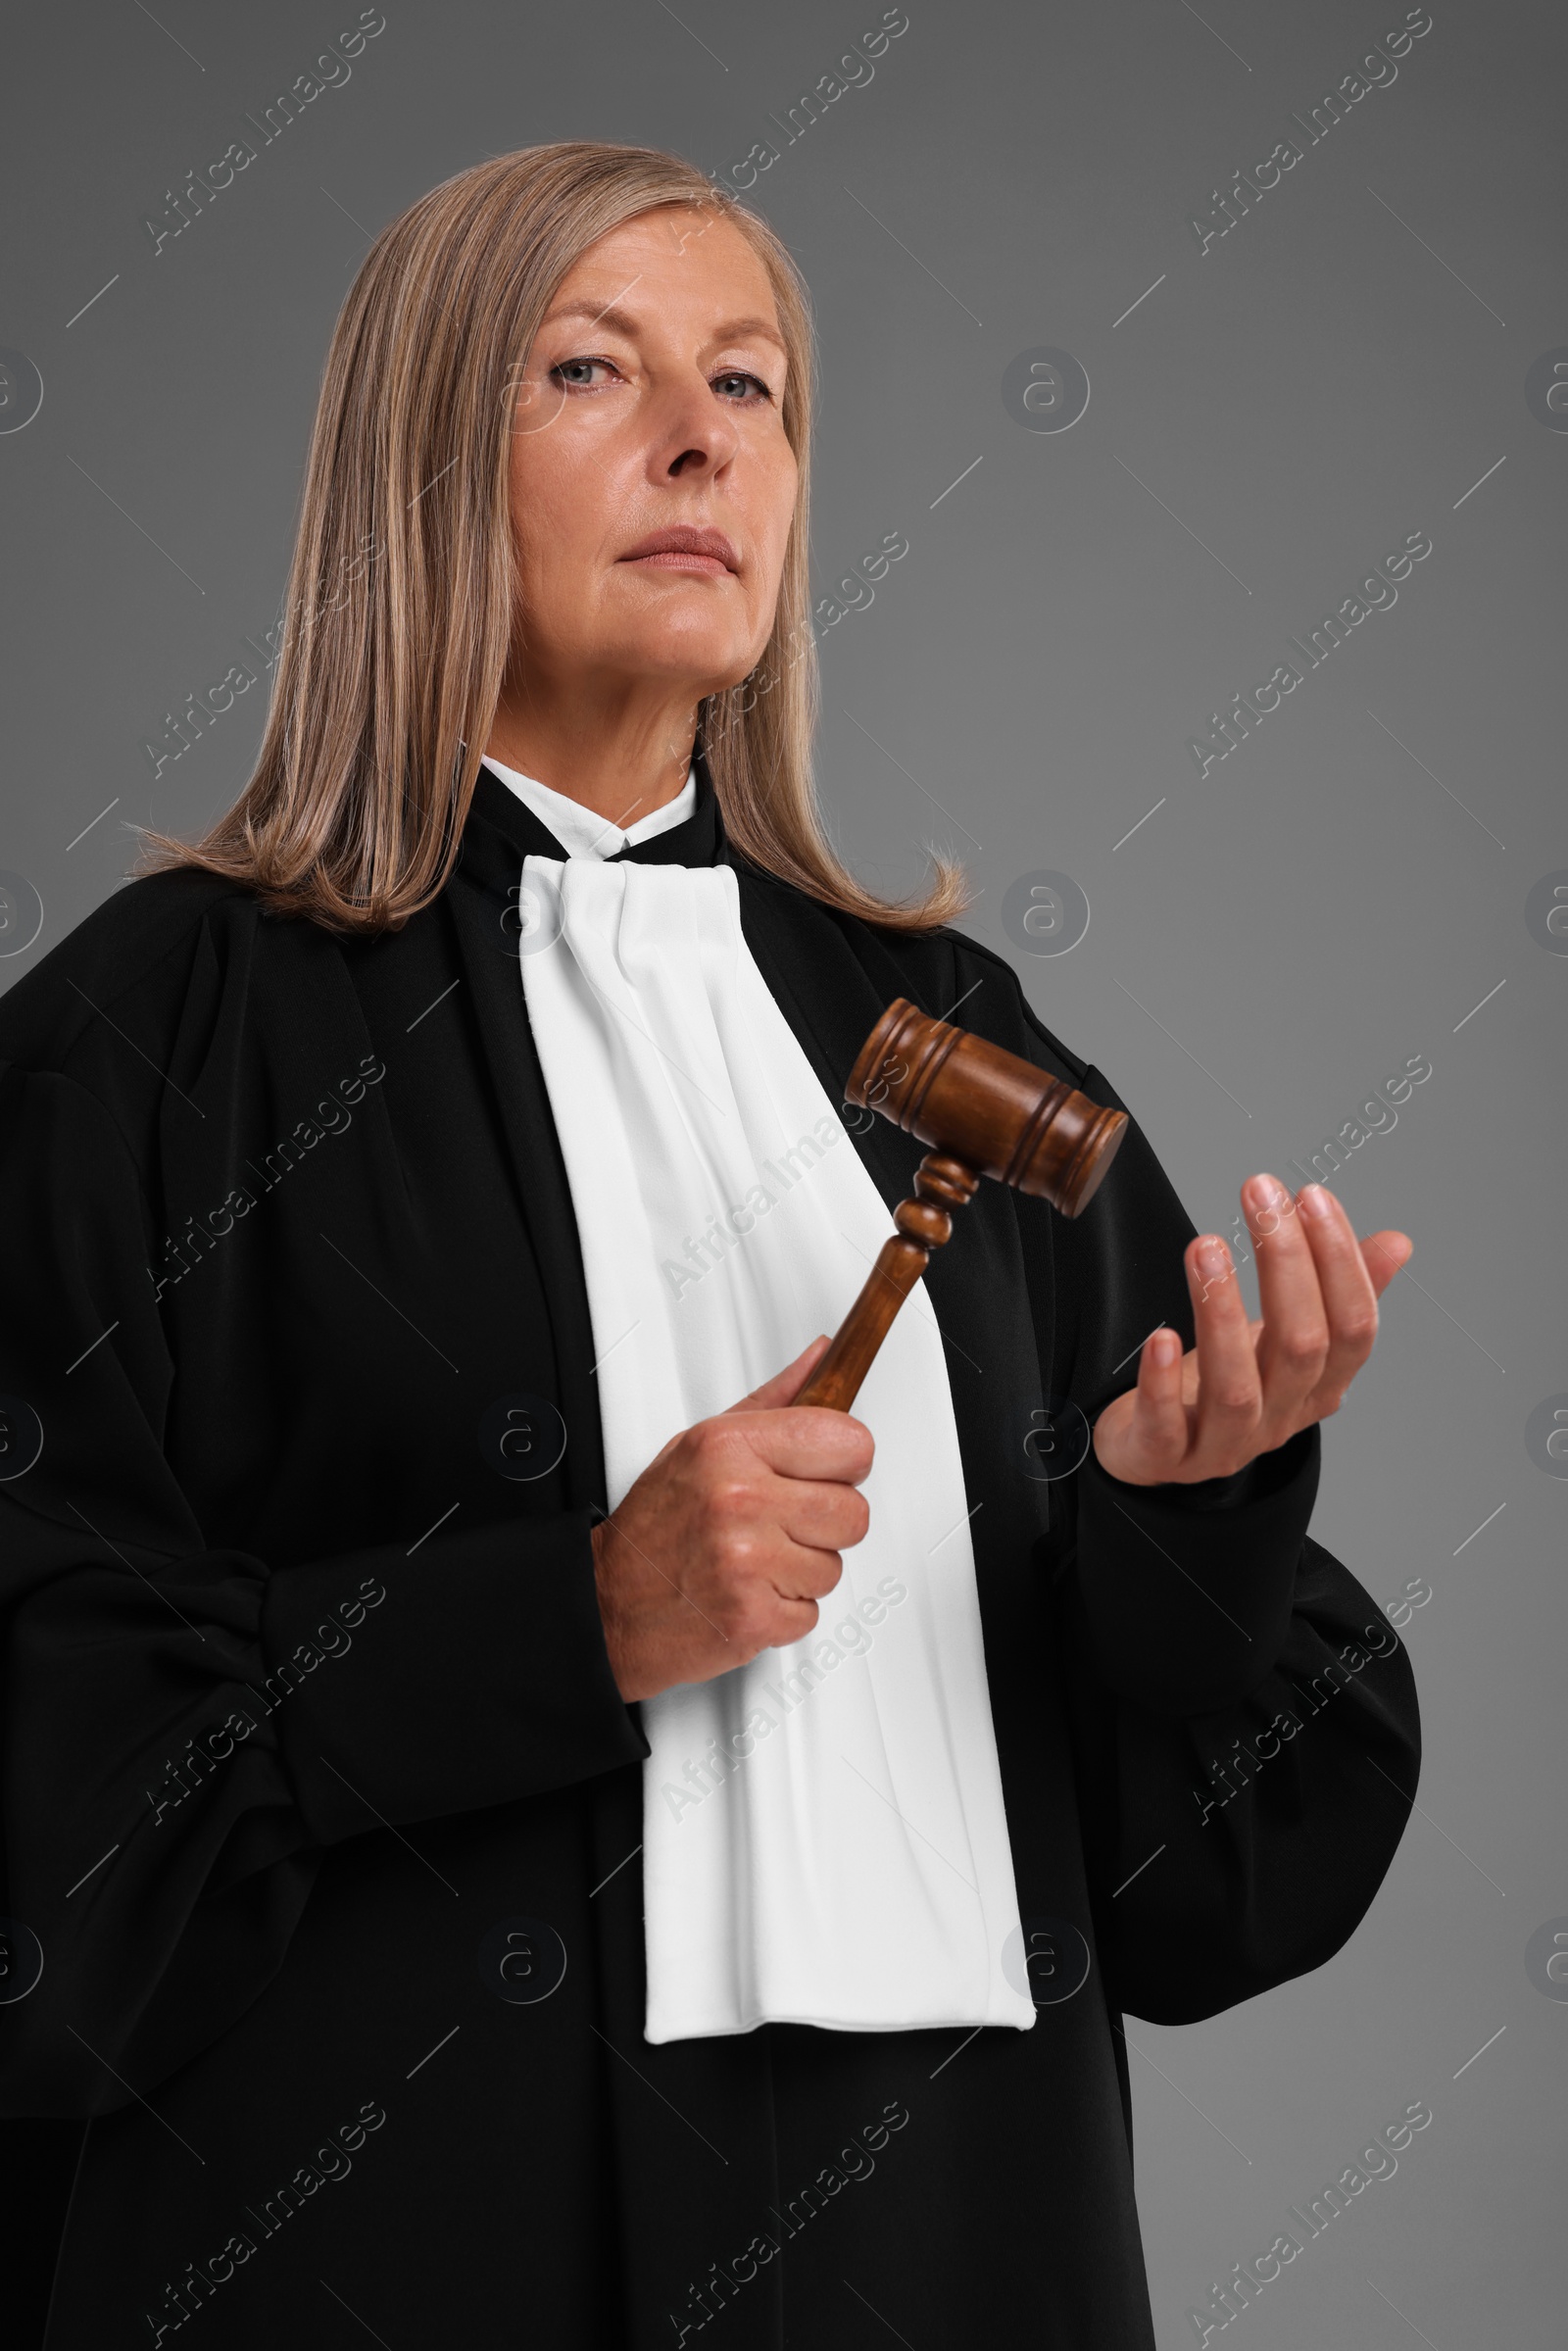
column 924, row 1224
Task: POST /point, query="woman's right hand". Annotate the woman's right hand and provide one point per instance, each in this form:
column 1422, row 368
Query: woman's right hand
column 732, row 1536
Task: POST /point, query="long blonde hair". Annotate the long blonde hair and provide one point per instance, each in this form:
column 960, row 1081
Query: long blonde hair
column 400, row 594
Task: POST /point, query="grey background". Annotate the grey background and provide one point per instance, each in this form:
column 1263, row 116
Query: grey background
column 1337, row 895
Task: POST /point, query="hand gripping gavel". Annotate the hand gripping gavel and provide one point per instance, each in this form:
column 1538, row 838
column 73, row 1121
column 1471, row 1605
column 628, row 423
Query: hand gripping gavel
column 982, row 1111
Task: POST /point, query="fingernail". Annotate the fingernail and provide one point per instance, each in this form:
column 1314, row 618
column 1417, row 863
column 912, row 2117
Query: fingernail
column 1213, row 1258
column 1165, row 1348
column 1264, row 1191
column 1314, row 1200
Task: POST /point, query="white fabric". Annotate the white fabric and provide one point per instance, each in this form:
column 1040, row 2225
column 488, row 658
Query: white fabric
column 824, row 1838
column 579, row 830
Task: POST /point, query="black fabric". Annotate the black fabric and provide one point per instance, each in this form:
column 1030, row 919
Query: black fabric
column 288, row 1228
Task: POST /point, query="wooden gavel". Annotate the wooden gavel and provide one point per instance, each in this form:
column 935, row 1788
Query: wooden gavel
column 982, row 1111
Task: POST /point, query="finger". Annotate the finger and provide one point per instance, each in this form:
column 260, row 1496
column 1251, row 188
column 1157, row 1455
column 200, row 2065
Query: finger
column 811, row 1443
column 794, row 1618
column 782, row 1621
column 1292, row 1345
column 1160, row 1434
column 1229, row 1385
column 784, row 1387
column 1385, row 1254
column 822, row 1514
column 1348, row 1295
column 804, row 1574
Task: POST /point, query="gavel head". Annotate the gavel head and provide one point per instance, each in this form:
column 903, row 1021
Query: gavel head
column 974, row 1103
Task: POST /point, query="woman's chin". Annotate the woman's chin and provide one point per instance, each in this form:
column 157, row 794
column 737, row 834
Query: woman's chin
column 694, row 661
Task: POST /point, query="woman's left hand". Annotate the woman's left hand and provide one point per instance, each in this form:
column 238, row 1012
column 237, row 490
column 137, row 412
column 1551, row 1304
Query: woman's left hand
column 1246, row 1386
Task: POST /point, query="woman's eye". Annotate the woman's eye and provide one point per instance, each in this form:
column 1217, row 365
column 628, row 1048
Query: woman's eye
column 735, row 384
column 579, row 373
column 594, row 374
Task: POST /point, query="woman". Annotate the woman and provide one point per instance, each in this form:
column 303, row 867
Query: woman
column 442, row 1154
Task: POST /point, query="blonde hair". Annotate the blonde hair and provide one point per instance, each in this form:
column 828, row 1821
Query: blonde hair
column 400, row 604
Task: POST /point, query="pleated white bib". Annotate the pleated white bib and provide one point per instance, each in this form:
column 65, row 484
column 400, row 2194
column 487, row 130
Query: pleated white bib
column 823, row 1833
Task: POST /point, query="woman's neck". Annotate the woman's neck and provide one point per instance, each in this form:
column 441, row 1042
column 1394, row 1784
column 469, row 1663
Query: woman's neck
column 623, row 761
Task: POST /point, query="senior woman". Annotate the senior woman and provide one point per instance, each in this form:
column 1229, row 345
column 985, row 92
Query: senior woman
column 517, row 1833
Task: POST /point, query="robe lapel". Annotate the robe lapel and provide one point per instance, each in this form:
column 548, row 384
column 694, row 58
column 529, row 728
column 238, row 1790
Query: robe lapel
column 832, row 992
column 500, row 833
column 832, row 1003
column 832, row 996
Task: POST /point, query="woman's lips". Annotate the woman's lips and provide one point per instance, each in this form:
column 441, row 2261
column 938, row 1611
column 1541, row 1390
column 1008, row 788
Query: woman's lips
column 671, row 558
column 686, row 546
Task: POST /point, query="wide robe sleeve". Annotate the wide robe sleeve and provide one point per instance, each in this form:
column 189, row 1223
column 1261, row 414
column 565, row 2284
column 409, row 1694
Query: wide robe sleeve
column 1245, row 1715
column 165, row 1810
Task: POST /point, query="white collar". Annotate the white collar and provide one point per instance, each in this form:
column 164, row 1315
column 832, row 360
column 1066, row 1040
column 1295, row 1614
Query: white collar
column 579, row 830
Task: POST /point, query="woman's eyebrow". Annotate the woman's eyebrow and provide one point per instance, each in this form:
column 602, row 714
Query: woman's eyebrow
column 595, row 313
column 621, row 322
column 734, row 329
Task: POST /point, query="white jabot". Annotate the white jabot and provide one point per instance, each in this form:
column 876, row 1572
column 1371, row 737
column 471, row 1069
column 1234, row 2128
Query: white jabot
column 580, row 832
column 824, row 1836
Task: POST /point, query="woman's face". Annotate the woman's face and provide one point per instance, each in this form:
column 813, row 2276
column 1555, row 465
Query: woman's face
column 652, row 483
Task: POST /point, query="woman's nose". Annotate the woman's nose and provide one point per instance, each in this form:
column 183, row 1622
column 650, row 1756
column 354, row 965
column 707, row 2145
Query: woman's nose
column 696, row 436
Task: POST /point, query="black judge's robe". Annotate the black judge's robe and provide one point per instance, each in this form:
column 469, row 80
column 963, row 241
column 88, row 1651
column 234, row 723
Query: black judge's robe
column 261, row 1371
